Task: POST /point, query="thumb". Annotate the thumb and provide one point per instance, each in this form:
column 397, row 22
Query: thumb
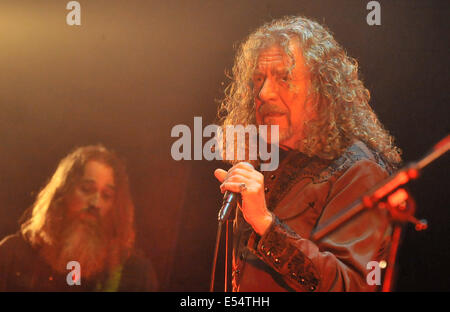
column 220, row 175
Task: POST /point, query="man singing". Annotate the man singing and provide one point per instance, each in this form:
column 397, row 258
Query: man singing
column 292, row 73
column 84, row 214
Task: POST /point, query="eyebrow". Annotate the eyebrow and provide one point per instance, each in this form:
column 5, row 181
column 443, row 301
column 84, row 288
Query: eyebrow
column 281, row 71
column 91, row 181
column 276, row 70
column 258, row 72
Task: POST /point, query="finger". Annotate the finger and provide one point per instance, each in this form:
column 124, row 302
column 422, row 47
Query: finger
column 220, row 175
column 244, row 165
column 240, row 172
column 235, row 187
column 249, row 174
column 238, row 179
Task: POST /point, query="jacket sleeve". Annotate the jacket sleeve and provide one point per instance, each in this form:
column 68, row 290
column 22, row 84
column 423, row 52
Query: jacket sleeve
column 339, row 261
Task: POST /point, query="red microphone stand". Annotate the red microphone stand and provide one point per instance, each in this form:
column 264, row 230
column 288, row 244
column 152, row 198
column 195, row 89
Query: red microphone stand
column 389, row 195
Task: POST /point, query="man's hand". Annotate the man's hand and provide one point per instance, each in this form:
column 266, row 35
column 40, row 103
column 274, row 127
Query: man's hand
column 243, row 179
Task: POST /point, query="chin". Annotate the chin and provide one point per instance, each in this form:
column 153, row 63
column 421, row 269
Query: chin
column 284, row 135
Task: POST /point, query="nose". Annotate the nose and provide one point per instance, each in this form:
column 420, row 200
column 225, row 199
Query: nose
column 95, row 199
column 94, row 203
column 268, row 91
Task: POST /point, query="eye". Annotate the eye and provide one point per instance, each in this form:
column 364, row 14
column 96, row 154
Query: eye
column 107, row 195
column 258, row 79
column 87, row 188
column 285, row 77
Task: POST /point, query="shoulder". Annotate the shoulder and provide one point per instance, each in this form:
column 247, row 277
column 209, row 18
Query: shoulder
column 14, row 250
column 138, row 260
column 139, row 273
column 355, row 172
column 12, row 243
column 350, row 176
column 357, row 160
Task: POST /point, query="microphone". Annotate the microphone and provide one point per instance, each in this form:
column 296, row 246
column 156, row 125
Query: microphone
column 228, row 203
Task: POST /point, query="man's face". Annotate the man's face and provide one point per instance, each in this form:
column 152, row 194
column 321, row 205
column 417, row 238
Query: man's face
column 93, row 196
column 85, row 232
column 281, row 97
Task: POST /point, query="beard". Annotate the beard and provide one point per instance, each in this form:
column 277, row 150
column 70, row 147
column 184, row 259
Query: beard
column 270, row 115
column 284, row 132
column 86, row 242
column 273, row 114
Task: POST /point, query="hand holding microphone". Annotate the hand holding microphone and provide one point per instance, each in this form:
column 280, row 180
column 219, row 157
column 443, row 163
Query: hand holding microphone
column 243, row 179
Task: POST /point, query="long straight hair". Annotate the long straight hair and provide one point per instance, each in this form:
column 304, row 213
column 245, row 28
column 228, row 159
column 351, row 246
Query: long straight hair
column 44, row 218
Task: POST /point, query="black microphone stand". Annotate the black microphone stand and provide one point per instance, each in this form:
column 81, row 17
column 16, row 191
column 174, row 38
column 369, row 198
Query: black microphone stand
column 224, row 216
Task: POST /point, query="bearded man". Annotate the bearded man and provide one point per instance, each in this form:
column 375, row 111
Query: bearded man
column 291, row 73
column 84, row 214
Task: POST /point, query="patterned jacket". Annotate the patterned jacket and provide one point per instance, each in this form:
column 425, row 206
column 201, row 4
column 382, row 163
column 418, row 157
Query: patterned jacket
column 302, row 194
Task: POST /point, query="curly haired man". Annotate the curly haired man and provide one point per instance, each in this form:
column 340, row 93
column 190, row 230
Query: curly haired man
column 291, row 73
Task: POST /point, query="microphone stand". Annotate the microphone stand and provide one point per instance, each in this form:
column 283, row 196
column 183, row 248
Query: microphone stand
column 224, row 216
column 389, row 195
column 216, row 251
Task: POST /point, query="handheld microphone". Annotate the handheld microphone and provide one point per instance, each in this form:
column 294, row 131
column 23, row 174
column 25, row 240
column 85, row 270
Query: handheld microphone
column 229, row 202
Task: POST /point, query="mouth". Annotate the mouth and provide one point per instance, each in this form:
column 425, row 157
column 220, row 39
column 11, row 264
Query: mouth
column 89, row 217
column 270, row 117
column 269, row 111
column 274, row 114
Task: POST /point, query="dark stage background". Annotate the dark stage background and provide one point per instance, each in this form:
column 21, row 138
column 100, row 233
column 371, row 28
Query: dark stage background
column 134, row 69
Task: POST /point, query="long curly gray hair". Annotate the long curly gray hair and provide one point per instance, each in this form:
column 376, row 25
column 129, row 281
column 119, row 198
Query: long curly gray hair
column 344, row 113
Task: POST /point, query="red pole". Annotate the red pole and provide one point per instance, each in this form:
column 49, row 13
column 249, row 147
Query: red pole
column 387, row 284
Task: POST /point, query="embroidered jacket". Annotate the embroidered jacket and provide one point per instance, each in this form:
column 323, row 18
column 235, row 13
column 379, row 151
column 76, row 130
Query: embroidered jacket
column 302, row 194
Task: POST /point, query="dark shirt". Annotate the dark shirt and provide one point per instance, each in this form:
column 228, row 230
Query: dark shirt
column 23, row 269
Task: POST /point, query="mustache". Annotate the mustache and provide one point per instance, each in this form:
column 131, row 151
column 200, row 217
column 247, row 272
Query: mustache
column 268, row 108
column 89, row 211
